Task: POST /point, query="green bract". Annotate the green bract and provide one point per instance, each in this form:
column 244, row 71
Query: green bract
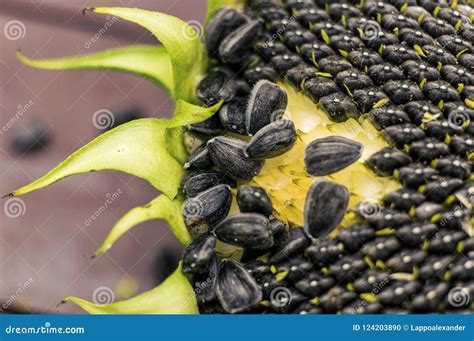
column 152, row 149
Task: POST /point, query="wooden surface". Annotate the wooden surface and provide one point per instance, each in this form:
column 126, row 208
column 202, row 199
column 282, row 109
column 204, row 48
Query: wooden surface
column 46, row 251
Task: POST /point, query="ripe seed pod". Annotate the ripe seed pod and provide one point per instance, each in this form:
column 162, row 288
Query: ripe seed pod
column 237, row 291
column 272, row 140
column 220, row 26
column 325, row 206
column 228, row 154
column 247, row 230
column 197, row 255
column 238, row 42
column 207, row 209
column 252, row 199
column 330, row 154
column 267, row 103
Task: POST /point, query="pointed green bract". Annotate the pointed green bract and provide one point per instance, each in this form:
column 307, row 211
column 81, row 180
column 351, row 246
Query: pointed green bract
column 180, row 40
column 159, row 208
column 137, row 147
column 174, row 296
column 150, row 61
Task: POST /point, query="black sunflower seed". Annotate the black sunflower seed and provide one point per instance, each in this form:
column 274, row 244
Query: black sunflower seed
column 404, row 199
column 290, row 242
column 387, row 160
column 452, row 166
column 220, row 26
column 277, row 227
column 267, row 103
column 259, row 72
column 467, row 60
column 462, row 145
column 325, row 206
column 406, row 260
column 336, row 299
column 397, row 293
column 437, row 27
column 414, row 175
column 382, row 73
column 232, row 115
column 364, row 58
column 398, row 21
column 438, row 191
column 463, row 270
column 455, row 44
column 324, row 252
column 381, row 247
column 283, row 63
column 197, row 255
column 330, row 154
column 212, row 126
column 299, row 74
column 417, row 110
column 272, row 140
column 355, row 236
column 445, row 242
column 334, row 64
column 314, row 284
column 207, row 209
column 319, row 86
column 216, row 85
column 368, row 98
column 398, row 54
column 414, row 37
column 247, row 230
column 353, row 79
column 205, row 284
column 419, row 71
column 295, row 268
column 388, row 116
column 456, row 75
column 401, row 92
column 371, row 281
column 435, row 267
column 339, row 107
column 436, row 55
column 197, row 182
column 347, row 269
column 228, row 154
column 237, row 291
column 440, row 129
column 427, row 210
column 252, row 199
column 238, row 42
column 313, row 52
column 199, row 159
column 428, row 149
column 437, row 91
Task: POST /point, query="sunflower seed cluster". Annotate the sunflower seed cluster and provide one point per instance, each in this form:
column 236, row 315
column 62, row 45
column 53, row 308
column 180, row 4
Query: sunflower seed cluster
column 406, row 65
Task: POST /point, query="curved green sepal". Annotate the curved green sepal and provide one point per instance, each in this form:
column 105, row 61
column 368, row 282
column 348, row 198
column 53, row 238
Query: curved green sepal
column 149, row 61
column 180, row 40
column 137, row 147
column 159, row 208
column 174, row 296
column 185, row 114
column 214, row 5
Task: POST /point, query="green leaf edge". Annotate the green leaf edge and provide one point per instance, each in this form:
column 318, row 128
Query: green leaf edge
column 159, row 208
column 155, row 64
column 174, row 296
column 186, row 51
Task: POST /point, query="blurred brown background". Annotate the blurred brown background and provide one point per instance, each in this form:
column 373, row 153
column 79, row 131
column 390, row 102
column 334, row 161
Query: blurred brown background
column 45, row 241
